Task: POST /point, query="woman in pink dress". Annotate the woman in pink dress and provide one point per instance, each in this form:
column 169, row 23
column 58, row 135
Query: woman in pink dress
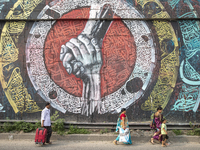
column 157, row 121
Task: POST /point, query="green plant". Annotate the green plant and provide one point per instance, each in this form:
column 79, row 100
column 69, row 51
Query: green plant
column 55, row 116
column 28, row 127
column 58, row 126
column 191, row 125
column 190, row 132
column 25, row 126
column 104, row 131
column 1, row 129
column 195, row 129
column 101, row 131
column 19, row 125
column 177, row 132
column 75, row 130
column 38, row 124
column 194, row 132
column 7, row 127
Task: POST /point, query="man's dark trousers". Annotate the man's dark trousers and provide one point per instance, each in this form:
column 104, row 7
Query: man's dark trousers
column 49, row 132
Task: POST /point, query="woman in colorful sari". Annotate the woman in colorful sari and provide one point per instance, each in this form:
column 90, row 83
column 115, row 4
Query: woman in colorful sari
column 156, row 124
column 122, row 122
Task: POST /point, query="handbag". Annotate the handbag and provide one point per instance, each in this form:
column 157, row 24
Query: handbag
column 124, row 135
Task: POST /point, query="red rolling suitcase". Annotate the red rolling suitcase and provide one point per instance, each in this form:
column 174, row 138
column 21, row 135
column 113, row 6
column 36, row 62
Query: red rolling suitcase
column 40, row 136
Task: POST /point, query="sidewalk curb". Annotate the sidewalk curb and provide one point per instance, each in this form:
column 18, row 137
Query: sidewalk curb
column 96, row 137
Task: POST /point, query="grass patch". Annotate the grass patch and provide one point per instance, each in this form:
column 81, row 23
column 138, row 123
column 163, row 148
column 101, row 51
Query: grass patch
column 177, row 132
column 195, row 129
column 18, row 126
column 194, row 132
column 75, row 130
column 58, row 126
column 104, row 131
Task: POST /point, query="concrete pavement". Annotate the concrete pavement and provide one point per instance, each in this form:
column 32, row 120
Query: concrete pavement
column 91, row 145
column 135, row 136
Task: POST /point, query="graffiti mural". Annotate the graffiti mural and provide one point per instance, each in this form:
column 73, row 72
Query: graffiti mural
column 80, row 56
column 94, row 57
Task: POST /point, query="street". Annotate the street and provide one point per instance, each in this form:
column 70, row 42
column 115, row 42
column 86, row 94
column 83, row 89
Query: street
column 91, row 145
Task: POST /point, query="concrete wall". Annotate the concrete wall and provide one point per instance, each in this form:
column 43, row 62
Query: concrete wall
column 90, row 58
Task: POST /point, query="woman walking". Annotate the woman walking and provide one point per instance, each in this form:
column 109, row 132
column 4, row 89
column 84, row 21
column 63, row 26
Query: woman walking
column 122, row 122
column 157, row 125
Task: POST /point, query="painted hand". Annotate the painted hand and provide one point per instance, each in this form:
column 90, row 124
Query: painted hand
column 81, row 56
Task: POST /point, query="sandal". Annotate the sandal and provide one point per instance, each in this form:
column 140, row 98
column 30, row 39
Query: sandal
column 151, row 142
column 115, row 142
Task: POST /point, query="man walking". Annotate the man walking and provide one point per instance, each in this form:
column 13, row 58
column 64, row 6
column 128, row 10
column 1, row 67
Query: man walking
column 46, row 121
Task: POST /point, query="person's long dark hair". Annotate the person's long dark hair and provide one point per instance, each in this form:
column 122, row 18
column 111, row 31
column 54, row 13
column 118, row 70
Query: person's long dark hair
column 123, row 109
column 160, row 116
column 159, row 108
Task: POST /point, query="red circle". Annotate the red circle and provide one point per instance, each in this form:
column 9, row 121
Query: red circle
column 118, row 53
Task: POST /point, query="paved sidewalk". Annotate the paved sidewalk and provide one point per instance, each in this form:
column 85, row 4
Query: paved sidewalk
column 138, row 138
column 91, row 145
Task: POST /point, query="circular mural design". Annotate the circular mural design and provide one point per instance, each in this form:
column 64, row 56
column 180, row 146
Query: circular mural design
column 117, row 64
column 84, row 81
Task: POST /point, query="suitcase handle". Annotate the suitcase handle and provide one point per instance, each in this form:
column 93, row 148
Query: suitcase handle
column 41, row 129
